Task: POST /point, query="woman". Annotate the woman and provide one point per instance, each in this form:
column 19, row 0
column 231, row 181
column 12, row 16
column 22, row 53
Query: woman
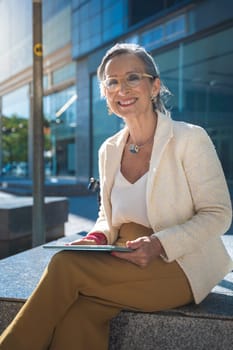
column 163, row 194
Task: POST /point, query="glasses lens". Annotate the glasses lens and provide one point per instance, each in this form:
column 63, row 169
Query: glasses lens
column 133, row 79
column 111, row 84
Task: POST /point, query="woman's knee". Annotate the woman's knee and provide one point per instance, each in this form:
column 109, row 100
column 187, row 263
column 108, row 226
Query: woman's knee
column 58, row 260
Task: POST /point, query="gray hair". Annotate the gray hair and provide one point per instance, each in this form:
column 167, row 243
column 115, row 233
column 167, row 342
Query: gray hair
column 150, row 68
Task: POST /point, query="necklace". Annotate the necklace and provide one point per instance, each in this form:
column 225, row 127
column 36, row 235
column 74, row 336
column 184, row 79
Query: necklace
column 134, row 148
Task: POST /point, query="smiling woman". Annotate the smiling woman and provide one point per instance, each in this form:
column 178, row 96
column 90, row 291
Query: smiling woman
column 132, row 87
column 163, row 196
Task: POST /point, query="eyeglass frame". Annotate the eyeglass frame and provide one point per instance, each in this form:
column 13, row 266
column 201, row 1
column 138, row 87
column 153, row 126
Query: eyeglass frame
column 142, row 75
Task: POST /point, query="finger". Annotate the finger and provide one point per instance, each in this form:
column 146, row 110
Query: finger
column 136, row 243
column 83, row 242
column 129, row 257
column 125, row 256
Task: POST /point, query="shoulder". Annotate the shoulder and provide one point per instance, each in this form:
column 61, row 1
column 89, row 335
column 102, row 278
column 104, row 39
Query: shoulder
column 193, row 141
column 184, row 128
column 180, row 129
column 189, row 132
column 184, row 137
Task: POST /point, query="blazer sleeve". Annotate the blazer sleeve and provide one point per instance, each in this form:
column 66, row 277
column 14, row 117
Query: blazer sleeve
column 212, row 205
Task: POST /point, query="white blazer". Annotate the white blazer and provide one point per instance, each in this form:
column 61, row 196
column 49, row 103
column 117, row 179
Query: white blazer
column 188, row 203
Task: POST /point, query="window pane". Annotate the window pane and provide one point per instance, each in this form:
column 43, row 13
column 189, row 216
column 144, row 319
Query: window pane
column 15, row 110
column 60, row 114
column 65, row 73
column 199, row 74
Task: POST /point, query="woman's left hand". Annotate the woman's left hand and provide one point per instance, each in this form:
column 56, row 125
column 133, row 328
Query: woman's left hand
column 145, row 249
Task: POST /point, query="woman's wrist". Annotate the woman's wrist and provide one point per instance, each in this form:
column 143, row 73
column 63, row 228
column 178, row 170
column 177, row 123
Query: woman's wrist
column 158, row 246
column 98, row 237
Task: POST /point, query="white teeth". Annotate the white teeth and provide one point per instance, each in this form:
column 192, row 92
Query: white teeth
column 125, row 103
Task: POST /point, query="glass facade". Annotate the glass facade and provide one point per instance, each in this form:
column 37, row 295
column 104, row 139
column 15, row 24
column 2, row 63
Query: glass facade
column 16, row 103
column 96, row 21
column 199, row 74
column 16, row 111
column 60, row 116
column 56, row 24
column 62, row 74
column 138, row 13
column 15, row 36
column 16, row 58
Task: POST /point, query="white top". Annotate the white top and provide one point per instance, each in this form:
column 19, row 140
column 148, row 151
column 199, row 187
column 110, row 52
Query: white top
column 129, row 201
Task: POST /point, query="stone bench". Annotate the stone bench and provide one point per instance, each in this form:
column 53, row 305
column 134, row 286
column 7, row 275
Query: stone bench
column 16, row 222
column 206, row 326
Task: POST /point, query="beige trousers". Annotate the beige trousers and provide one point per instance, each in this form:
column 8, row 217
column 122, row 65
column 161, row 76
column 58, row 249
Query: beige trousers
column 80, row 292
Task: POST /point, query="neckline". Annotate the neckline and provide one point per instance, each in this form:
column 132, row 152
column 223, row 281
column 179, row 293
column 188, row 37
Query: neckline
column 134, row 147
column 138, row 180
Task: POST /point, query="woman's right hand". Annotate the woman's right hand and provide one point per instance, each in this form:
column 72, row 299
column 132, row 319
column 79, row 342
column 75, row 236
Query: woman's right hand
column 83, row 241
column 93, row 238
column 145, row 249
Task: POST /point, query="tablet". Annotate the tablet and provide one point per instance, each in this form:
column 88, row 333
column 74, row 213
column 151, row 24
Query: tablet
column 96, row 248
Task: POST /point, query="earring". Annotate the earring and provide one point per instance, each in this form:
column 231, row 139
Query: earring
column 153, row 98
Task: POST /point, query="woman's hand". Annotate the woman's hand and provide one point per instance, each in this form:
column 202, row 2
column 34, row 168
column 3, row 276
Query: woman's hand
column 93, row 238
column 145, row 249
column 83, row 241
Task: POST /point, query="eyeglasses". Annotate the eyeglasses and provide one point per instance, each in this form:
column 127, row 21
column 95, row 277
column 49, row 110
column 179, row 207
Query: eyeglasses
column 131, row 79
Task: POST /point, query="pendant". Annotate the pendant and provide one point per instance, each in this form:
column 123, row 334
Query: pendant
column 134, row 148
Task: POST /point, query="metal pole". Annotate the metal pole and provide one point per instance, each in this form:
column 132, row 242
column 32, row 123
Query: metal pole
column 30, row 133
column 38, row 217
column 1, row 135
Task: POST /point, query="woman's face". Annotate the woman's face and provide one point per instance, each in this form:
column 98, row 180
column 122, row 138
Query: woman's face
column 129, row 101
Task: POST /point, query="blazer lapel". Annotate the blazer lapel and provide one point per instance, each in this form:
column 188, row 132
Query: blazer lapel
column 163, row 134
column 114, row 150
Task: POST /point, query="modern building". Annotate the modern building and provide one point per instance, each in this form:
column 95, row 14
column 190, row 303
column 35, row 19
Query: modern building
column 190, row 40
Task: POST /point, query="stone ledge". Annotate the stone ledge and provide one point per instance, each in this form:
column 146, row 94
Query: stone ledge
column 16, row 222
column 149, row 331
column 169, row 331
column 8, row 310
column 206, row 326
column 67, row 188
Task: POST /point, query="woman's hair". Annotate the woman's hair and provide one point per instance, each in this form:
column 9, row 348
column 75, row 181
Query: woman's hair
column 150, row 68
